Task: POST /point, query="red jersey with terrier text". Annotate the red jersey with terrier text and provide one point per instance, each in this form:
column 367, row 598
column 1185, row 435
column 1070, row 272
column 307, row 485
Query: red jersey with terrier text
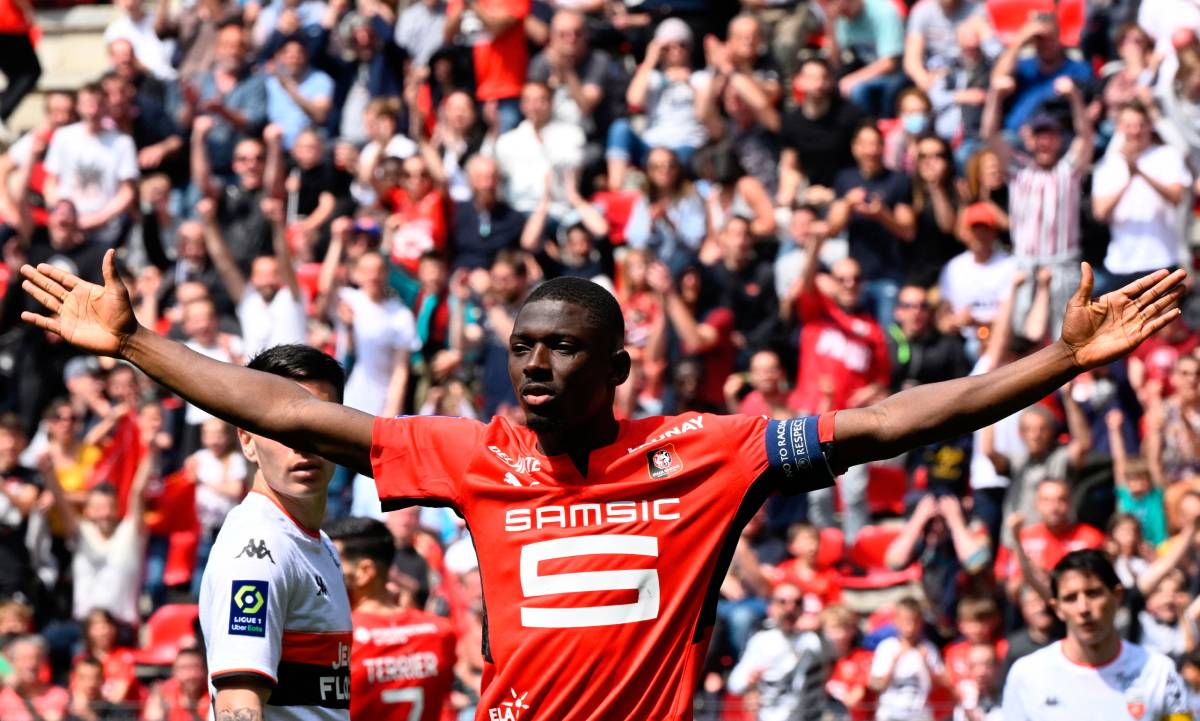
column 600, row 591
column 401, row 665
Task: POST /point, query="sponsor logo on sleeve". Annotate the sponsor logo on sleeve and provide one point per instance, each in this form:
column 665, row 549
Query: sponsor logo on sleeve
column 663, row 462
column 248, row 609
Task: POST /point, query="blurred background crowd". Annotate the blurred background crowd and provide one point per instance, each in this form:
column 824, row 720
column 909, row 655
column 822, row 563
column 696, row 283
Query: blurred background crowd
column 802, row 205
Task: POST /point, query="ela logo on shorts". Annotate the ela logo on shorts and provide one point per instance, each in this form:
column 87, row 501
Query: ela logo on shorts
column 248, row 609
column 663, row 462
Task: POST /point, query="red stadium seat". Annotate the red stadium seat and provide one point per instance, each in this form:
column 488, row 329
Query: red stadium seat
column 867, row 554
column 832, row 548
column 880, row 617
column 886, row 487
column 171, row 628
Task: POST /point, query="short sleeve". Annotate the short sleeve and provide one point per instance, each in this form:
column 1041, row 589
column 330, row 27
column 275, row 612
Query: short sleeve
column 885, row 655
column 245, row 606
column 796, row 456
column 127, row 167
column 422, row 459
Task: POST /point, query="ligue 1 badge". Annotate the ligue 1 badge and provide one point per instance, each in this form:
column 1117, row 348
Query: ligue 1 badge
column 663, row 462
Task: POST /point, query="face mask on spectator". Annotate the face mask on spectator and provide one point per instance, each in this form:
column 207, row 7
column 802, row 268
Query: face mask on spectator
column 914, row 123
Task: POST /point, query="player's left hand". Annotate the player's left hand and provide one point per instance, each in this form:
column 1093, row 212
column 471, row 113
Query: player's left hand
column 1102, row 330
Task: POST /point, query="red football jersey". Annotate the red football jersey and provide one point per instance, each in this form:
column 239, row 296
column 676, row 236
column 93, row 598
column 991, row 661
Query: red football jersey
column 401, row 665
column 599, row 591
column 840, row 353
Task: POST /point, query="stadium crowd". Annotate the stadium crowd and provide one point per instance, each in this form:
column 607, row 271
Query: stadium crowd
column 801, row 205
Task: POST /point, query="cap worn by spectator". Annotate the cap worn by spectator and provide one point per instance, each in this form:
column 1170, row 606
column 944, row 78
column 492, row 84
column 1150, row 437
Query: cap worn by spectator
column 673, row 30
column 1043, row 122
column 980, row 214
column 80, row 366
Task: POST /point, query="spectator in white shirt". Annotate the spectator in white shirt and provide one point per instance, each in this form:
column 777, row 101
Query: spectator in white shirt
column 95, row 167
column 975, row 282
column 905, row 668
column 1138, row 190
column 786, row 664
column 137, row 26
column 535, row 148
column 270, row 307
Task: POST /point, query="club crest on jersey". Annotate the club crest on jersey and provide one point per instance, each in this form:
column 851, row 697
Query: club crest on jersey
column 248, row 608
column 511, row 709
column 1136, row 705
column 663, row 462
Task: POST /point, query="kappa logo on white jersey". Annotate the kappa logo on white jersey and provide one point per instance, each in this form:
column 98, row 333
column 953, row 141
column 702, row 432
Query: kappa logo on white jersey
column 511, row 709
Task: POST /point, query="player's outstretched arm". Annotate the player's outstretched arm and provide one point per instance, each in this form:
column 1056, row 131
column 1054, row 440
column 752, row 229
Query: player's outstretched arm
column 100, row 319
column 1094, row 333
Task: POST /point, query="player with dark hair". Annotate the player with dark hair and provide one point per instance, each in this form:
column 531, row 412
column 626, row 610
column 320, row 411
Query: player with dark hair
column 1092, row 673
column 601, row 543
column 402, row 660
column 275, row 615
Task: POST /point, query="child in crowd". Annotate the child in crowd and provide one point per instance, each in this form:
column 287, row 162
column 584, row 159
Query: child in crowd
column 978, row 622
column 1137, row 494
column 905, row 668
column 848, row 684
column 1126, row 546
column 979, row 691
column 819, row 586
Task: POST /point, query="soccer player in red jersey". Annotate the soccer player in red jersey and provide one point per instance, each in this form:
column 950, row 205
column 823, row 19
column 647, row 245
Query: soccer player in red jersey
column 402, row 660
column 601, row 543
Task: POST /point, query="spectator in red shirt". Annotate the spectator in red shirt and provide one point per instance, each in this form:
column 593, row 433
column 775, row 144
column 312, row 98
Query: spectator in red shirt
column 1044, row 544
column 26, row 697
column 709, row 338
column 418, row 224
column 118, row 664
column 848, row 682
column 843, row 364
column 819, row 586
column 18, row 61
column 978, row 621
column 496, row 31
column 183, row 696
column 768, row 394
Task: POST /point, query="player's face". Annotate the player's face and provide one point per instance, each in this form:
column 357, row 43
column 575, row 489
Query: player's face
column 1087, row 607
column 289, row 472
column 562, row 366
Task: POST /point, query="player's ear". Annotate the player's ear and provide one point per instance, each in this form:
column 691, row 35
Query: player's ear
column 621, row 365
column 247, row 442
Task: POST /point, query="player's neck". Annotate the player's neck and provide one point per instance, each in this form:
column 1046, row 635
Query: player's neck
column 1097, row 654
column 308, row 513
column 578, row 442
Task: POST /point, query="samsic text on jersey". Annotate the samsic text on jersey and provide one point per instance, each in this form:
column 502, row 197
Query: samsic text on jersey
column 273, row 604
column 600, row 592
column 401, row 665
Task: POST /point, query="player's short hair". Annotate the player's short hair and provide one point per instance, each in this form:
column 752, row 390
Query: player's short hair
column 301, row 363
column 977, row 608
column 1089, row 562
column 364, row 538
column 601, row 307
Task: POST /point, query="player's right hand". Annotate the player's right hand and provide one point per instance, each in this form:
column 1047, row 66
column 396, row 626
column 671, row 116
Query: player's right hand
column 93, row 317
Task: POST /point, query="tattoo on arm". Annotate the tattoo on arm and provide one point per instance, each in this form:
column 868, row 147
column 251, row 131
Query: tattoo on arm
column 240, row 714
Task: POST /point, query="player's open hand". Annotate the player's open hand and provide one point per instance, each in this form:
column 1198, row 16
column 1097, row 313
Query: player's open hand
column 1100, row 331
column 96, row 318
